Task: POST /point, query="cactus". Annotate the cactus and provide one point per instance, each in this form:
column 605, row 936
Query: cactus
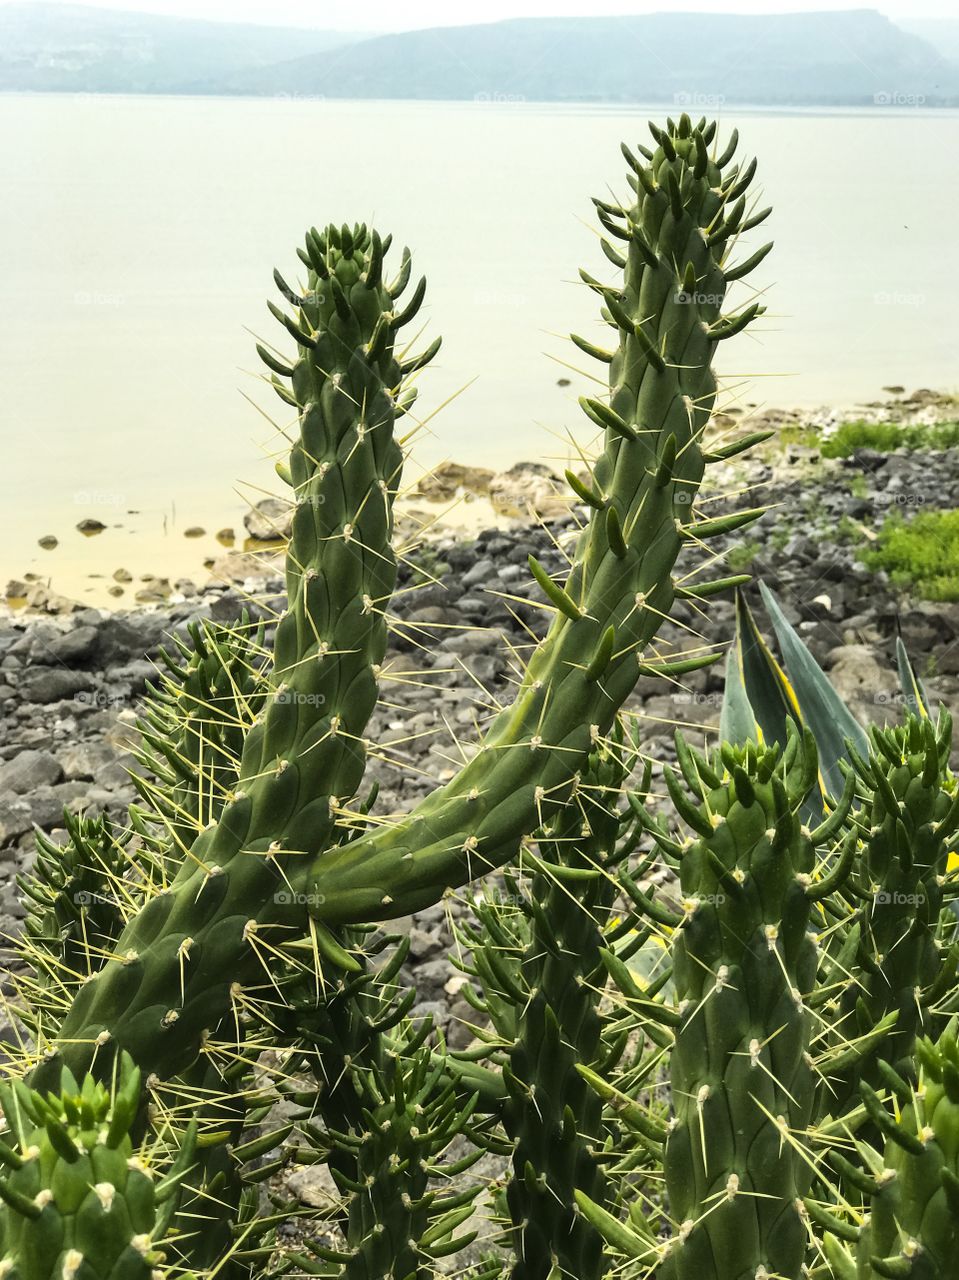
column 80, row 1205
column 189, row 947
column 912, row 1229
column 744, row 965
column 538, row 961
column 902, row 964
column 398, row 1224
column 253, row 874
column 186, row 951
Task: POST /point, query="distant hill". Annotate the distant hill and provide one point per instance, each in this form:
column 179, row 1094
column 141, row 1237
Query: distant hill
column 65, row 47
column 704, row 59
column 700, row 60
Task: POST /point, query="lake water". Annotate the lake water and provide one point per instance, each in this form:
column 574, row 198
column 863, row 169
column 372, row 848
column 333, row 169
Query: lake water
column 138, row 236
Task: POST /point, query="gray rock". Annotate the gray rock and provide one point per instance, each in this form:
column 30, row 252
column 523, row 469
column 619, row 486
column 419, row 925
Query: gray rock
column 269, row 520
column 72, row 647
column 28, row 770
column 53, row 684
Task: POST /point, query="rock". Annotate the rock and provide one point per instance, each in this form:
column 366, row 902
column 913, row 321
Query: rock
column 194, row 531
column 424, row 945
column 70, row 647
column 16, row 590
column 48, row 542
column 453, row 480
column 483, row 571
column 226, row 536
column 155, row 593
column 15, row 820
column 89, row 761
column 313, row 1185
column 28, row 770
column 90, row 526
column 856, row 675
column 529, row 488
column 269, row 520
column 53, row 684
column 122, row 575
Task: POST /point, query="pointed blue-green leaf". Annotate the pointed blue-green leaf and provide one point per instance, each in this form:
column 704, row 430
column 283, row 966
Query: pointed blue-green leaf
column 825, row 713
column 912, row 687
column 760, row 682
column 737, row 723
column 769, row 692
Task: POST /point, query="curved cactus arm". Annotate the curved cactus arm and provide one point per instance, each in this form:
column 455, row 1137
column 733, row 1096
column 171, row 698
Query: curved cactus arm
column 666, row 313
column 191, row 948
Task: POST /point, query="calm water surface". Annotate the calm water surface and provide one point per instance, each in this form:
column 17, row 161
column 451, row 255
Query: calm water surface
column 138, row 235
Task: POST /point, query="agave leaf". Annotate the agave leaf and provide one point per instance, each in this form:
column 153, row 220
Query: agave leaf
column 912, row 687
column 822, row 709
column 759, row 699
column 760, row 680
column 737, row 721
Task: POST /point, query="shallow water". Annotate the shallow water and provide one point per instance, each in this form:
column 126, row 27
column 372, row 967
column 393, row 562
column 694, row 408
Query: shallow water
column 137, row 238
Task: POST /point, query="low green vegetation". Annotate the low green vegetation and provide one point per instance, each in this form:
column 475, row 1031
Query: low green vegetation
column 740, row 557
column 886, row 436
column 921, row 554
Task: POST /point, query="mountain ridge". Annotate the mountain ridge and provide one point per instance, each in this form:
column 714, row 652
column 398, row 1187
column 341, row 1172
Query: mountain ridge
column 694, row 60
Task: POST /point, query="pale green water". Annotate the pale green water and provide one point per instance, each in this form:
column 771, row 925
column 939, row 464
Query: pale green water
column 137, row 238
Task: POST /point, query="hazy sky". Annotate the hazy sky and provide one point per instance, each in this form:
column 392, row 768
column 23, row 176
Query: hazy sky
column 395, row 15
